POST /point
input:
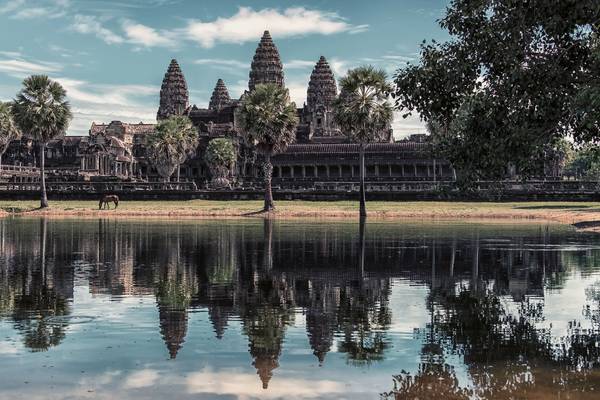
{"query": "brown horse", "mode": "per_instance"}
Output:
(108, 199)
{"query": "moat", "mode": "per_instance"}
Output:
(144, 309)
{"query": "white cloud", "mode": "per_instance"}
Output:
(102, 103)
(88, 24)
(146, 36)
(223, 62)
(243, 386)
(141, 379)
(249, 25)
(404, 127)
(299, 64)
(42, 8)
(19, 67)
(10, 6)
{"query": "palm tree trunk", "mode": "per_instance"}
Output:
(363, 201)
(268, 171)
(44, 196)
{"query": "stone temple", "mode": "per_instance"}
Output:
(321, 157)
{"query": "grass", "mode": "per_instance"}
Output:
(566, 212)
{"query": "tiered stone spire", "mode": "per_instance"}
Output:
(220, 96)
(174, 95)
(322, 89)
(266, 64)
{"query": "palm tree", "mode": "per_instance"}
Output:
(363, 113)
(174, 140)
(8, 128)
(42, 113)
(268, 120)
(220, 157)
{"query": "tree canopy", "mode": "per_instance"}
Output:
(514, 77)
(173, 141)
(362, 109)
(41, 110)
(268, 121)
(220, 156)
(8, 128)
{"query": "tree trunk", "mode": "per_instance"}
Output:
(0, 161)
(44, 196)
(361, 239)
(178, 172)
(363, 201)
(268, 171)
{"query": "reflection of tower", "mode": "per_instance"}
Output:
(174, 295)
(265, 328)
(321, 319)
(173, 328)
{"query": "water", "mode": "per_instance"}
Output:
(152, 309)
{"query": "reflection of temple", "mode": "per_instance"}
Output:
(263, 275)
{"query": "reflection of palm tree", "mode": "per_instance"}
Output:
(38, 306)
(363, 318)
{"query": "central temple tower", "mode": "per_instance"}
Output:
(174, 95)
(266, 65)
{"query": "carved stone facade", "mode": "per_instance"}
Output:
(174, 96)
(320, 96)
(266, 66)
(321, 155)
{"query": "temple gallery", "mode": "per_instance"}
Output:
(321, 154)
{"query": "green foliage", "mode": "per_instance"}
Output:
(41, 110)
(220, 152)
(362, 109)
(268, 118)
(8, 128)
(584, 163)
(173, 141)
(516, 77)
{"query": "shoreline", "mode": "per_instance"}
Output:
(583, 216)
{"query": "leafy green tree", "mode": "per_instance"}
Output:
(514, 77)
(585, 163)
(8, 128)
(268, 120)
(173, 141)
(42, 113)
(363, 112)
(220, 157)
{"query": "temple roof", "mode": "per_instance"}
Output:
(354, 148)
(321, 87)
(266, 65)
(220, 96)
(174, 95)
(132, 129)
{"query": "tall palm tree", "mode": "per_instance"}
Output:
(8, 128)
(42, 112)
(173, 141)
(268, 120)
(364, 113)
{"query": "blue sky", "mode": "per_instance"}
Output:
(111, 55)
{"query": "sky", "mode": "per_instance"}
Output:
(111, 55)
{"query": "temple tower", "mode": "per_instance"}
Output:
(322, 92)
(266, 65)
(174, 96)
(220, 97)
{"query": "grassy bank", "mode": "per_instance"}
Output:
(564, 212)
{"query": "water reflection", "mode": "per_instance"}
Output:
(485, 331)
